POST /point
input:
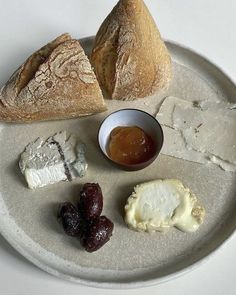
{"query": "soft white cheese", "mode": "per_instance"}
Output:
(60, 157)
(161, 204)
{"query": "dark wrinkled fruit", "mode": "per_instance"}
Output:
(91, 201)
(72, 222)
(97, 234)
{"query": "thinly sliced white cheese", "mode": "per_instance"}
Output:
(60, 157)
(207, 128)
(174, 145)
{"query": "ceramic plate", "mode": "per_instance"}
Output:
(28, 218)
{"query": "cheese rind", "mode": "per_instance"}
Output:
(60, 157)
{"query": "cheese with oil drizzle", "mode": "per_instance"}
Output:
(60, 157)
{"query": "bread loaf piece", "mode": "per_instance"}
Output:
(130, 59)
(56, 82)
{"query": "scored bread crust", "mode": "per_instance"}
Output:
(129, 57)
(62, 86)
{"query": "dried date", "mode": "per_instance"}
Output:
(91, 201)
(97, 234)
(71, 220)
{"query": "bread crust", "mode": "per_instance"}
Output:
(63, 86)
(129, 57)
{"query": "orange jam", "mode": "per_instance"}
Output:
(130, 145)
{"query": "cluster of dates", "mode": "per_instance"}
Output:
(85, 221)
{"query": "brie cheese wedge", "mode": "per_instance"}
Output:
(161, 204)
(60, 157)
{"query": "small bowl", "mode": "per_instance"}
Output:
(131, 117)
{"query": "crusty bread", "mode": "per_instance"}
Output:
(56, 82)
(129, 57)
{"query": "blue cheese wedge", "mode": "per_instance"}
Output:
(161, 204)
(60, 157)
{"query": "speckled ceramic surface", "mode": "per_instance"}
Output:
(130, 259)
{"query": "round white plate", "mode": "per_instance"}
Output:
(130, 259)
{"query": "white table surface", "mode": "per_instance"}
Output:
(208, 26)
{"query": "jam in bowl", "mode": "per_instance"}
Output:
(130, 138)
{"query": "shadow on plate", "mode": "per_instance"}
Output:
(14, 171)
(118, 203)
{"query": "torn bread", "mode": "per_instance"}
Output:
(56, 82)
(129, 57)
